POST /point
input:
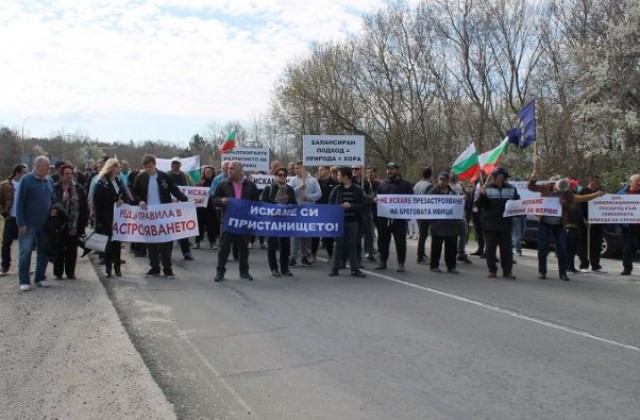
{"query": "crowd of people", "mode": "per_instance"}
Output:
(50, 207)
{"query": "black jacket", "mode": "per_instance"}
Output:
(225, 189)
(395, 186)
(491, 206)
(443, 227)
(269, 197)
(166, 188)
(83, 214)
(104, 198)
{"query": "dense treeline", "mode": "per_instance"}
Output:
(421, 83)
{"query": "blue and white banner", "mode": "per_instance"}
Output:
(265, 219)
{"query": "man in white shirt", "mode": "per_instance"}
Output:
(307, 191)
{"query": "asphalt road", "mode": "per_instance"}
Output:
(414, 345)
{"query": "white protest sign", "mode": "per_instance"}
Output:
(403, 206)
(158, 223)
(524, 192)
(547, 206)
(318, 150)
(262, 181)
(252, 159)
(197, 195)
(612, 208)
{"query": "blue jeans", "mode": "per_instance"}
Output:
(544, 232)
(36, 234)
(518, 227)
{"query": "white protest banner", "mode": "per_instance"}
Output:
(547, 206)
(262, 181)
(253, 159)
(524, 192)
(197, 195)
(612, 208)
(332, 150)
(158, 223)
(403, 206)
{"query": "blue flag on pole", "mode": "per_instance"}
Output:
(525, 132)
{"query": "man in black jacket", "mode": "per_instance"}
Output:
(156, 187)
(497, 228)
(237, 186)
(394, 184)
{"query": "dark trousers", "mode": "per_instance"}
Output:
(479, 232)
(423, 228)
(184, 246)
(111, 255)
(503, 240)
(160, 253)
(65, 256)
(327, 244)
(346, 246)
(630, 241)
(9, 235)
(226, 242)
(574, 237)
(283, 245)
(450, 250)
(397, 228)
(591, 246)
(545, 230)
(367, 231)
(207, 222)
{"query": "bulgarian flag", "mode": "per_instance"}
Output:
(190, 166)
(489, 160)
(230, 143)
(466, 165)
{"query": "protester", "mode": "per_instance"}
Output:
(443, 231)
(497, 228)
(372, 208)
(591, 243)
(327, 183)
(109, 192)
(630, 232)
(573, 226)
(351, 197)
(421, 188)
(70, 202)
(307, 192)
(279, 193)
(462, 225)
(476, 218)
(154, 187)
(239, 187)
(366, 225)
(181, 179)
(207, 220)
(394, 184)
(33, 209)
(549, 225)
(8, 203)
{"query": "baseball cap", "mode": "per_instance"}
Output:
(176, 159)
(443, 175)
(393, 165)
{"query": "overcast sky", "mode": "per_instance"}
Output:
(153, 69)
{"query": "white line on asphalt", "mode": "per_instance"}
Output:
(509, 312)
(217, 374)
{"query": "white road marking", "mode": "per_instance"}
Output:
(509, 312)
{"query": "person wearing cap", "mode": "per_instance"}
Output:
(497, 228)
(393, 184)
(443, 231)
(181, 179)
(279, 193)
(366, 226)
(555, 225)
(630, 232)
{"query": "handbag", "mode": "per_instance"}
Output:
(96, 241)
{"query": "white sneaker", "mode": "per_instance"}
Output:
(585, 270)
(600, 270)
(43, 283)
(25, 287)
